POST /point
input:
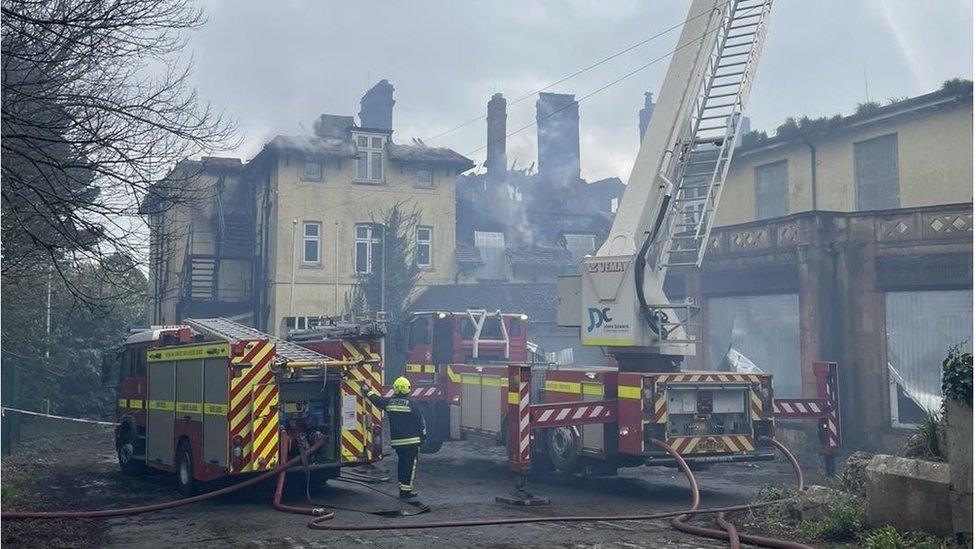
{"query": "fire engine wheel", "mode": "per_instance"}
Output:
(126, 440)
(564, 446)
(185, 482)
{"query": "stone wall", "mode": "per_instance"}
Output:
(909, 494)
(960, 450)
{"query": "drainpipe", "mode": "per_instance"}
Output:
(813, 172)
(294, 248)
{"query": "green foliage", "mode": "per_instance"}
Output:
(957, 376)
(843, 521)
(65, 370)
(887, 537)
(960, 86)
(11, 494)
(398, 262)
(867, 107)
(928, 440)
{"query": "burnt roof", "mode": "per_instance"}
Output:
(327, 147)
(536, 299)
(468, 254)
(429, 155)
(539, 256)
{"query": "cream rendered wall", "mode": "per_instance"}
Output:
(338, 199)
(935, 166)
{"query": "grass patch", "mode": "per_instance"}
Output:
(887, 537)
(11, 494)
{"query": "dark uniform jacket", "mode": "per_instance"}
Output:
(406, 422)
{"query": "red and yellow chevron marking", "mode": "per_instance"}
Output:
(724, 377)
(661, 409)
(757, 407)
(712, 444)
(252, 390)
(354, 439)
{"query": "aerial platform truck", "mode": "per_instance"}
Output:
(468, 368)
(212, 398)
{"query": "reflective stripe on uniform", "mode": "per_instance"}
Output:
(404, 441)
(397, 408)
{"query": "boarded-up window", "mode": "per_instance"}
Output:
(491, 245)
(876, 173)
(772, 190)
(746, 333)
(921, 326)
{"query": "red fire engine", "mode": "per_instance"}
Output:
(213, 398)
(591, 418)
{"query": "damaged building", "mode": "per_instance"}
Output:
(518, 229)
(847, 239)
(283, 239)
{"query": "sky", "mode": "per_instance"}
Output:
(275, 66)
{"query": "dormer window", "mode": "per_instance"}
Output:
(425, 180)
(369, 165)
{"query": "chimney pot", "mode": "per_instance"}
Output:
(497, 120)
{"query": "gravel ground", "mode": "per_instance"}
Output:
(78, 471)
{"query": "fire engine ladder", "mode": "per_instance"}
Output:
(701, 160)
(223, 328)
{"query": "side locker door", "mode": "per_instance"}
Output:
(593, 433)
(471, 401)
(491, 403)
(189, 392)
(216, 428)
(264, 425)
(161, 412)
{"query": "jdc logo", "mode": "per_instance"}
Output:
(598, 317)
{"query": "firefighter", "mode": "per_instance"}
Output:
(407, 432)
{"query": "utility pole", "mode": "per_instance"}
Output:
(47, 346)
(383, 299)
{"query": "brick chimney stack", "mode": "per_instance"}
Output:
(557, 119)
(645, 114)
(497, 161)
(376, 107)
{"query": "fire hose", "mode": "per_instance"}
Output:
(679, 517)
(127, 511)
(322, 515)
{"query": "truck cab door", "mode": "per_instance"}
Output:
(443, 346)
(418, 340)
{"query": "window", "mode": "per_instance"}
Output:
(757, 334)
(492, 248)
(425, 179)
(311, 242)
(368, 239)
(369, 165)
(301, 322)
(772, 190)
(876, 173)
(580, 244)
(424, 243)
(419, 332)
(312, 170)
(920, 326)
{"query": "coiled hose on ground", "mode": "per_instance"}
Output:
(679, 517)
(322, 515)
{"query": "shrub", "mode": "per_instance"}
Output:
(842, 521)
(957, 376)
(928, 440)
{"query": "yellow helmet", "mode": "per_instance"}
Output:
(401, 386)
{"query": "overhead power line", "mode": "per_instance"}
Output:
(577, 73)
